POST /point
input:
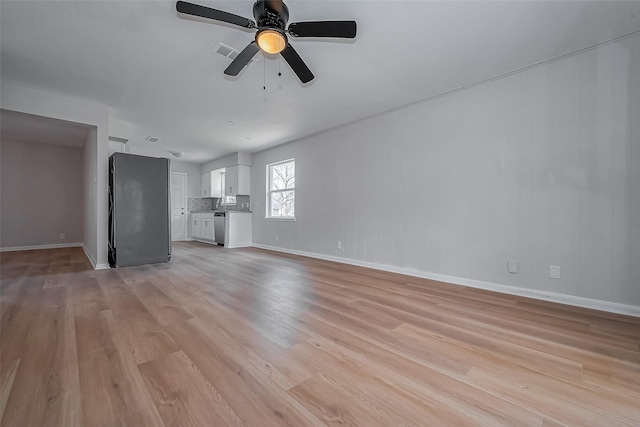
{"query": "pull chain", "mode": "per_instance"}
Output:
(264, 73)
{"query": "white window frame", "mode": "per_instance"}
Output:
(270, 191)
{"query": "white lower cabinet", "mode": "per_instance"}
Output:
(196, 227)
(202, 227)
(237, 229)
(207, 229)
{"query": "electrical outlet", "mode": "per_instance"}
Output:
(513, 267)
(554, 271)
(339, 244)
(276, 237)
(62, 236)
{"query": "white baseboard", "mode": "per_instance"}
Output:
(612, 307)
(35, 247)
(93, 262)
(239, 245)
(209, 242)
(89, 256)
(59, 246)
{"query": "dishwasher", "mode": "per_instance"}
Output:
(218, 226)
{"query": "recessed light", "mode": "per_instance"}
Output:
(248, 137)
(177, 154)
(231, 122)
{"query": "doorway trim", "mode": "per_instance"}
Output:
(184, 198)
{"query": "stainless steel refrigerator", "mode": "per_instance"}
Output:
(139, 210)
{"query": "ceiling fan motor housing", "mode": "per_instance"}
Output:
(271, 37)
(267, 17)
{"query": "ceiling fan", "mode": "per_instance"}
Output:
(271, 24)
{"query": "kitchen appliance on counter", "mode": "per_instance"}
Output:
(227, 201)
(219, 219)
(139, 210)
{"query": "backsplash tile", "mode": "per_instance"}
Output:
(195, 204)
(243, 204)
(200, 204)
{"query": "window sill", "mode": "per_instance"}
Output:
(284, 218)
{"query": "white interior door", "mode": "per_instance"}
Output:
(178, 206)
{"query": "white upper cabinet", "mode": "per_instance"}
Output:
(237, 180)
(213, 183)
(206, 185)
(217, 183)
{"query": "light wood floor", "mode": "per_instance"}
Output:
(247, 337)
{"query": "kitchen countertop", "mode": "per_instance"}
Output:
(228, 211)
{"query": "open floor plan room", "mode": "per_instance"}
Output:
(319, 213)
(248, 337)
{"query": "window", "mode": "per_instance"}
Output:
(281, 190)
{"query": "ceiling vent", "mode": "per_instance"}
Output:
(152, 139)
(224, 50)
(117, 139)
(228, 52)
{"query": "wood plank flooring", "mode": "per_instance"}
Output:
(247, 337)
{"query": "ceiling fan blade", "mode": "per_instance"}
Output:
(297, 64)
(242, 59)
(275, 5)
(341, 29)
(218, 15)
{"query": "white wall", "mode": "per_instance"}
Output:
(194, 177)
(33, 100)
(89, 180)
(222, 162)
(245, 159)
(42, 194)
(542, 167)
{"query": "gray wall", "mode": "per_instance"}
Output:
(33, 100)
(542, 167)
(42, 194)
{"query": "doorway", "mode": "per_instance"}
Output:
(178, 206)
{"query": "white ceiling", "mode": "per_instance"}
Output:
(23, 127)
(159, 72)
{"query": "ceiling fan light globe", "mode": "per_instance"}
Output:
(271, 41)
